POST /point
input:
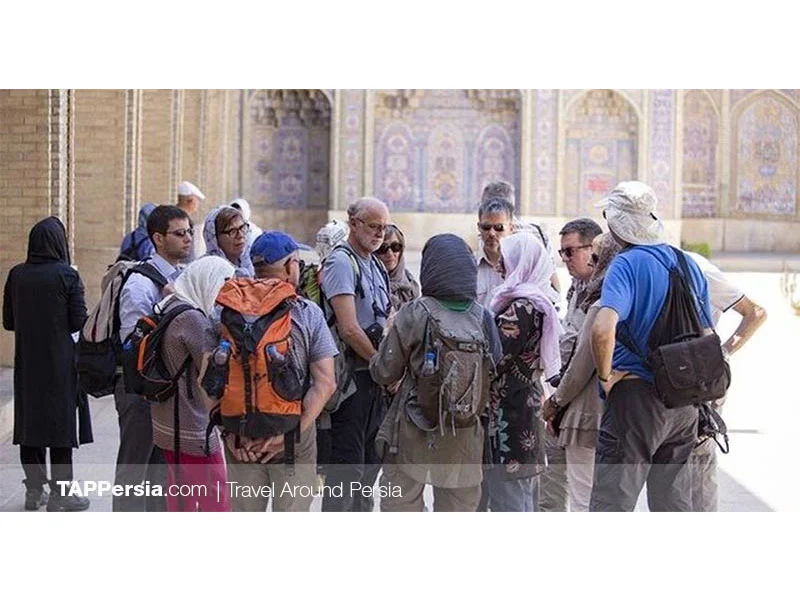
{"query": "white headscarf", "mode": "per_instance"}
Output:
(528, 274)
(630, 212)
(200, 282)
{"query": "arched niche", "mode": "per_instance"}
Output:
(700, 155)
(601, 146)
(286, 141)
(765, 156)
(435, 149)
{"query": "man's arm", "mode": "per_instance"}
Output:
(344, 306)
(323, 384)
(136, 300)
(753, 317)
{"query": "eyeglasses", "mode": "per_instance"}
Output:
(498, 227)
(395, 247)
(240, 231)
(568, 252)
(300, 263)
(181, 232)
(595, 259)
(376, 227)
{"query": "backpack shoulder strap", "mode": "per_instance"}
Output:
(356, 267)
(687, 276)
(147, 269)
(161, 329)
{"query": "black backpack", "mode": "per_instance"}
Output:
(688, 366)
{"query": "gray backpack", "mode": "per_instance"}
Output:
(453, 383)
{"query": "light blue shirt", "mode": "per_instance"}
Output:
(140, 294)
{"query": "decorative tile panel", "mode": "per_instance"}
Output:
(435, 149)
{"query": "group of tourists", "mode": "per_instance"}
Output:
(253, 374)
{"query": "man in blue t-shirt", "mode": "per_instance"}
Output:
(640, 439)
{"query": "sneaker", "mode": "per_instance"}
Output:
(35, 499)
(59, 503)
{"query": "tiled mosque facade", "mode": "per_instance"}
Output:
(724, 163)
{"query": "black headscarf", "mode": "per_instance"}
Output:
(448, 270)
(47, 242)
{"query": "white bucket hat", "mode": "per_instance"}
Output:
(630, 213)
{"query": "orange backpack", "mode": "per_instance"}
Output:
(263, 391)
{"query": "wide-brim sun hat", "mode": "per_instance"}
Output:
(630, 210)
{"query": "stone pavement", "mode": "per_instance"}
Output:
(762, 414)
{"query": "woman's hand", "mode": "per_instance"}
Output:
(549, 409)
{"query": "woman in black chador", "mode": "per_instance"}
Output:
(43, 304)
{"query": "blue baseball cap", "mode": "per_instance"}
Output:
(273, 246)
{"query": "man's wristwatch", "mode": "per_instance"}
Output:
(605, 379)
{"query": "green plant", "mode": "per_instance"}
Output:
(703, 249)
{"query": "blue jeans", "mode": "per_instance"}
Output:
(510, 495)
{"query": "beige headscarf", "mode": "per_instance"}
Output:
(200, 282)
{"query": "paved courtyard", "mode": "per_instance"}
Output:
(762, 414)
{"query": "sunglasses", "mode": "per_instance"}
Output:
(568, 252)
(498, 227)
(595, 259)
(395, 247)
(240, 231)
(181, 232)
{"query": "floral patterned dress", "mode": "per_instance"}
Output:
(516, 431)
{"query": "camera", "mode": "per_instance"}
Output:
(375, 334)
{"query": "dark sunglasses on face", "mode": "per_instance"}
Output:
(395, 247)
(498, 227)
(568, 252)
(181, 232)
(240, 231)
(595, 259)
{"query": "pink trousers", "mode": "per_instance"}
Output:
(202, 485)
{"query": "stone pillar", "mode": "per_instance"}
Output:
(157, 135)
(725, 184)
(190, 142)
(105, 180)
(369, 143)
(133, 142)
(527, 171)
(677, 187)
(349, 154)
(25, 180)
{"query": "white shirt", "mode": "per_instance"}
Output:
(488, 279)
(723, 293)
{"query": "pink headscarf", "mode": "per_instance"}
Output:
(528, 272)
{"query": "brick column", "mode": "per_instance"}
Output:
(25, 180)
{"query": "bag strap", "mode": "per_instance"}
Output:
(686, 274)
(145, 268)
(149, 270)
(359, 289)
